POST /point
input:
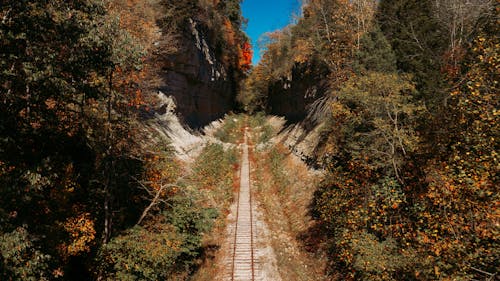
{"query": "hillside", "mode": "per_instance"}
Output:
(398, 101)
(94, 153)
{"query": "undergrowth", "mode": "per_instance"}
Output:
(172, 243)
(262, 132)
(284, 189)
(230, 132)
(216, 171)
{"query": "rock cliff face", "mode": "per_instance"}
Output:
(302, 99)
(293, 96)
(201, 86)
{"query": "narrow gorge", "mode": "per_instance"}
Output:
(167, 140)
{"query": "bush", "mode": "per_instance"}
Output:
(19, 259)
(230, 131)
(170, 245)
(276, 160)
(376, 260)
(213, 174)
(141, 254)
(263, 132)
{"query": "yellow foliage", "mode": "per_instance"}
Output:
(81, 235)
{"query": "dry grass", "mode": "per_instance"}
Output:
(285, 188)
(211, 264)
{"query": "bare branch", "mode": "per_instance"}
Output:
(156, 195)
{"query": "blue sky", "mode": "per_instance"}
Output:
(267, 15)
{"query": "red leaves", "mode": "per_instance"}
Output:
(246, 55)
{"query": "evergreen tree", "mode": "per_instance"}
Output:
(375, 53)
(418, 42)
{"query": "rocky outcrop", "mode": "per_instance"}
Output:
(203, 89)
(302, 99)
(163, 125)
(292, 96)
(307, 138)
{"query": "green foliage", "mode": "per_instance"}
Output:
(363, 223)
(266, 134)
(168, 246)
(374, 119)
(377, 260)
(379, 124)
(262, 132)
(232, 9)
(418, 43)
(333, 39)
(67, 126)
(412, 140)
(254, 91)
(458, 213)
(191, 220)
(320, 45)
(276, 161)
(72, 76)
(257, 120)
(424, 216)
(20, 259)
(231, 130)
(141, 254)
(213, 172)
(375, 53)
(206, 166)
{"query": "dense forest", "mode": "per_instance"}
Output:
(411, 137)
(85, 193)
(410, 125)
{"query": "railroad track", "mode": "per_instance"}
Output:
(243, 267)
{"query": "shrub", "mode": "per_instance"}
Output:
(230, 131)
(19, 259)
(141, 254)
(168, 246)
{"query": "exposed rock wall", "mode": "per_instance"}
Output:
(201, 86)
(307, 138)
(293, 96)
(302, 99)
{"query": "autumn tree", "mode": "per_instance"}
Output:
(459, 19)
(67, 89)
(246, 56)
(434, 218)
(459, 204)
(411, 140)
(417, 40)
(327, 25)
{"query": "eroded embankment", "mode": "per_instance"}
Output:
(284, 190)
(276, 223)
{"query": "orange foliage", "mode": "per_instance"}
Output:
(246, 54)
(161, 170)
(128, 82)
(230, 34)
(138, 18)
(82, 234)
